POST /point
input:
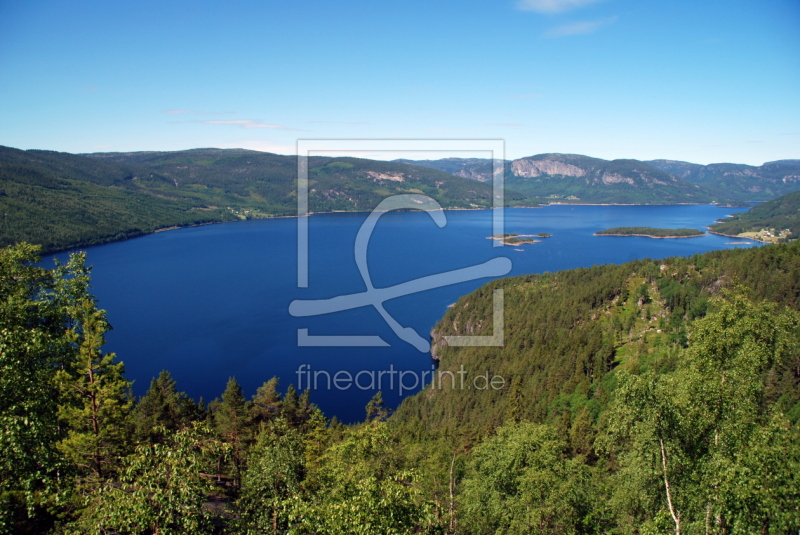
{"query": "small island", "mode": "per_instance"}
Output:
(514, 239)
(650, 232)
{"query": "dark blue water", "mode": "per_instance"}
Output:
(211, 302)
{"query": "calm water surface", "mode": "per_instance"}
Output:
(211, 302)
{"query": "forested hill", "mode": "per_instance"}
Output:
(577, 178)
(610, 375)
(568, 333)
(560, 177)
(650, 397)
(738, 181)
(480, 169)
(775, 217)
(63, 200)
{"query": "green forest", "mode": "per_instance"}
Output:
(649, 397)
(64, 201)
(651, 232)
(781, 215)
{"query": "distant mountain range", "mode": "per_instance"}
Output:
(63, 200)
(743, 182)
(577, 178)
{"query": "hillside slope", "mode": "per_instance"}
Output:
(573, 177)
(578, 178)
(567, 334)
(738, 181)
(778, 218)
(479, 169)
(63, 200)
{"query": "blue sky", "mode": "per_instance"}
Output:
(701, 80)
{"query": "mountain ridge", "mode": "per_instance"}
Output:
(724, 183)
(63, 200)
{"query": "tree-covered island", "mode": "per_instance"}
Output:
(650, 232)
(516, 239)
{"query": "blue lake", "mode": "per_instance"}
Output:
(211, 302)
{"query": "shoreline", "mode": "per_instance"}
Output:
(178, 227)
(737, 237)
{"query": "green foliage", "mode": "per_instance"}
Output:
(651, 232)
(359, 489)
(161, 488)
(37, 310)
(781, 213)
(266, 402)
(376, 410)
(519, 481)
(231, 423)
(641, 398)
(694, 443)
(276, 469)
(576, 341)
(95, 400)
(162, 408)
(64, 200)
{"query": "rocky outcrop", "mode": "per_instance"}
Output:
(614, 178)
(474, 174)
(394, 177)
(530, 168)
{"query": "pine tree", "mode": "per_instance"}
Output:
(230, 419)
(296, 408)
(515, 409)
(266, 403)
(162, 407)
(376, 410)
(95, 401)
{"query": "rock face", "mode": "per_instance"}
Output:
(594, 171)
(394, 177)
(570, 177)
(474, 174)
(614, 178)
(530, 168)
(574, 177)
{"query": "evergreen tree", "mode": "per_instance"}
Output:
(516, 399)
(231, 419)
(376, 410)
(266, 403)
(162, 407)
(95, 401)
(296, 408)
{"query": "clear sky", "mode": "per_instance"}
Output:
(697, 80)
